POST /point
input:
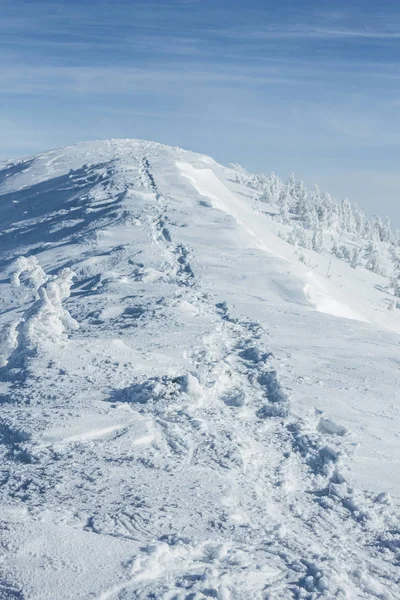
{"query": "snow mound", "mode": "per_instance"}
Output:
(46, 321)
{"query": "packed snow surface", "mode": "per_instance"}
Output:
(188, 411)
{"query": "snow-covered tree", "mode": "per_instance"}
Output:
(284, 197)
(305, 209)
(322, 213)
(355, 258)
(336, 251)
(373, 257)
(298, 237)
(386, 231)
(348, 222)
(265, 195)
(345, 252)
(292, 186)
(395, 281)
(317, 240)
(284, 211)
(378, 230)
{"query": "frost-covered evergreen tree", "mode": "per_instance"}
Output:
(241, 175)
(359, 220)
(322, 214)
(348, 221)
(292, 237)
(298, 237)
(395, 280)
(386, 231)
(265, 195)
(275, 187)
(284, 210)
(355, 258)
(336, 251)
(345, 252)
(317, 240)
(373, 257)
(305, 210)
(378, 229)
(292, 187)
(284, 196)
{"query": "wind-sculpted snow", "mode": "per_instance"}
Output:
(45, 322)
(177, 421)
(35, 277)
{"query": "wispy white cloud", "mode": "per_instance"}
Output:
(175, 79)
(304, 32)
(180, 25)
(111, 81)
(357, 33)
(304, 87)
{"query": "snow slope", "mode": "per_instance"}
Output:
(188, 411)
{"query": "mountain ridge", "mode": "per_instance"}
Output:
(188, 410)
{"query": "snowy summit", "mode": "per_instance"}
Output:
(199, 382)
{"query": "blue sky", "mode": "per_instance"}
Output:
(308, 86)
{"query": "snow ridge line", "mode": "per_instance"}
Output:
(234, 378)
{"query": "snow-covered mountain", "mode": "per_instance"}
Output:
(191, 406)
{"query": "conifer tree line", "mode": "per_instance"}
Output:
(318, 221)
